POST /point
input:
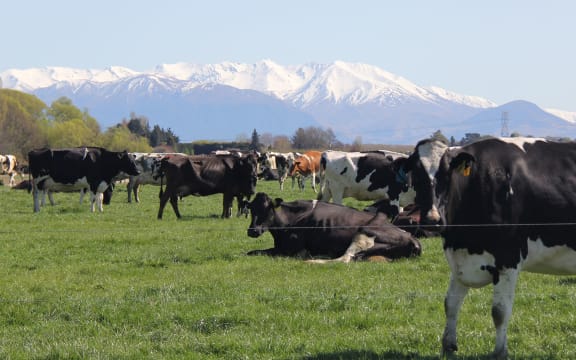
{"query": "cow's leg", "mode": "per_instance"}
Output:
(242, 206)
(314, 182)
(35, 196)
(227, 201)
(163, 200)
(136, 191)
(96, 201)
(129, 187)
(82, 193)
(452, 304)
(502, 303)
(43, 198)
(167, 195)
(337, 197)
(174, 203)
(50, 198)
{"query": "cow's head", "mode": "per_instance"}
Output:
(454, 172)
(422, 166)
(126, 163)
(262, 211)
(247, 174)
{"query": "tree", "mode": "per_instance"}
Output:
(120, 138)
(267, 139)
(22, 121)
(440, 137)
(314, 138)
(69, 126)
(357, 144)
(139, 125)
(281, 143)
(255, 142)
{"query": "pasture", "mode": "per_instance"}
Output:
(124, 285)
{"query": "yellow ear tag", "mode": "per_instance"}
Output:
(464, 169)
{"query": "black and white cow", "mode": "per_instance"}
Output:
(77, 169)
(49, 192)
(201, 175)
(505, 205)
(316, 228)
(363, 176)
(282, 163)
(146, 164)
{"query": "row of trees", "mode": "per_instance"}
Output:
(27, 123)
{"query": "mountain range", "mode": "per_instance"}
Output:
(223, 101)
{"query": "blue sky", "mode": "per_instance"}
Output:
(499, 50)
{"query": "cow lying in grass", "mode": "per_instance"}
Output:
(311, 228)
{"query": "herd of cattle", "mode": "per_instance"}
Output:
(501, 205)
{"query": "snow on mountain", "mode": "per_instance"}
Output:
(566, 115)
(36, 78)
(339, 82)
(220, 101)
(473, 101)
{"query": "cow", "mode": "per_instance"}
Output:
(145, 163)
(320, 229)
(201, 175)
(77, 169)
(9, 167)
(281, 162)
(363, 176)
(308, 164)
(107, 194)
(504, 206)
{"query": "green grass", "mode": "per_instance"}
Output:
(124, 285)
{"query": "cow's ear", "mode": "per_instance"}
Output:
(278, 202)
(462, 163)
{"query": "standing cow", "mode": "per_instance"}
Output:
(363, 176)
(505, 206)
(9, 165)
(308, 164)
(283, 163)
(146, 164)
(201, 175)
(316, 228)
(77, 169)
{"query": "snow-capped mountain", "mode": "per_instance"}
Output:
(221, 101)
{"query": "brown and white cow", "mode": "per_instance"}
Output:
(9, 165)
(201, 175)
(308, 164)
(313, 228)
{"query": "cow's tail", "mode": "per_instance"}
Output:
(161, 186)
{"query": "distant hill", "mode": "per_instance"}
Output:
(222, 101)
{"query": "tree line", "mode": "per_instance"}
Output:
(27, 123)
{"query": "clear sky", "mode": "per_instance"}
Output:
(502, 50)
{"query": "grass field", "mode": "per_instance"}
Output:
(124, 285)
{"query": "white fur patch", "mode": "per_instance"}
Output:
(520, 141)
(555, 260)
(430, 154)
(468, 268)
